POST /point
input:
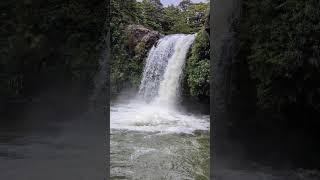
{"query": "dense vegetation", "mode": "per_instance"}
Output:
(198, 66)
(284, 53)
(280, 42)
(50, 44)
(188, 18)
(280, 49)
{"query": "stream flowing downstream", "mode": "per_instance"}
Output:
(151, 137)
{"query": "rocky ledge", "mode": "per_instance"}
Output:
(140, 40)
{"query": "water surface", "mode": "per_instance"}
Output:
(149, 142)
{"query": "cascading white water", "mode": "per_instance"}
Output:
(155, 66)
(154, 109)
(170, 86)
(163, 69)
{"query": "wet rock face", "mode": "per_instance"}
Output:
(140, 39)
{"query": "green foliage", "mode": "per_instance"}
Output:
(127, 61)
(187, 18)
(150, 14)
(57, 40)
(125, 70)
(198, 66)
(284, 52)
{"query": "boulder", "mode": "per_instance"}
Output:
(140, 40)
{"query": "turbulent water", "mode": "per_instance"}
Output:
(150, 138)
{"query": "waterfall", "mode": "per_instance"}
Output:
(154, 109)
(142, 128)
(162, 73)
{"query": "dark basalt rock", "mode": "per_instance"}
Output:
(140, 40)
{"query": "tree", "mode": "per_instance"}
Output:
(184, 4)
(157, 3)
(151, 14)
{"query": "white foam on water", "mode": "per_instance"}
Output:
(140, 116)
